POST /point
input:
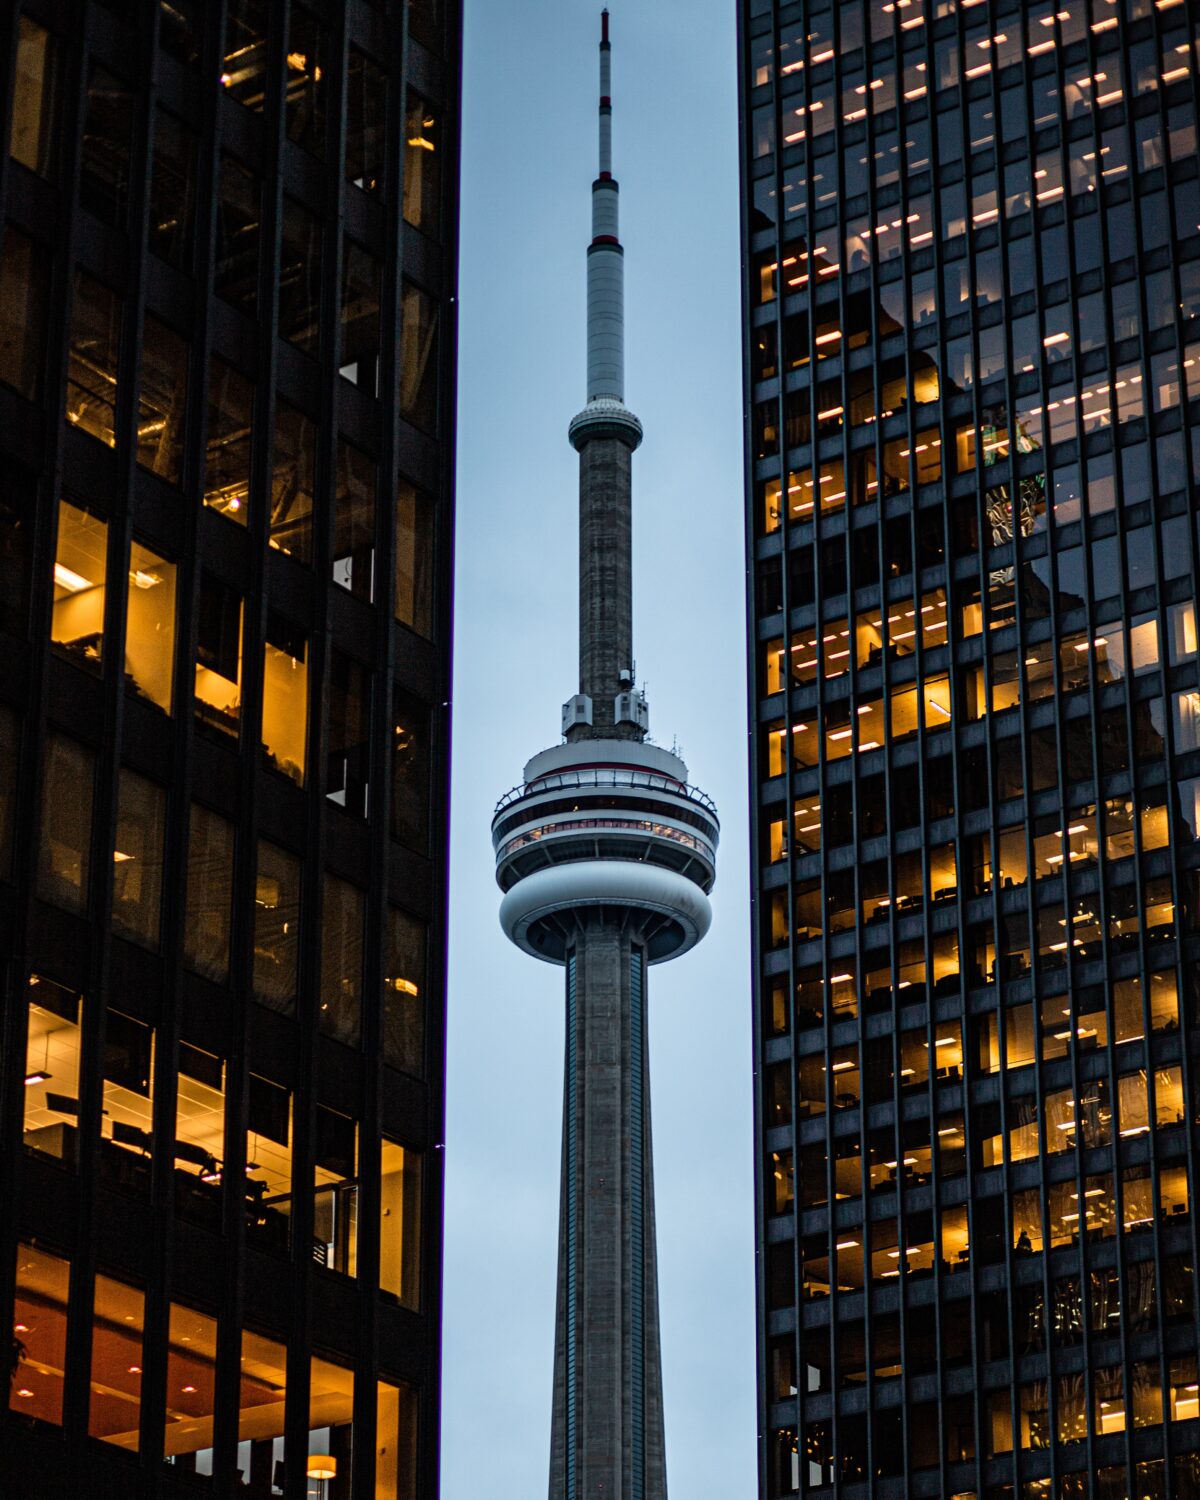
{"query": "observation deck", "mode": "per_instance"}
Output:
(605, 823)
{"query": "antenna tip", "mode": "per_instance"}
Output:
(604, 25)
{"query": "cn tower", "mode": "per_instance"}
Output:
(606, 857)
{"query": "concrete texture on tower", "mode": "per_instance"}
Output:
(606, 857)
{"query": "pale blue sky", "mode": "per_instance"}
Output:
(529, 156)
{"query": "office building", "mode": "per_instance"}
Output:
(227, 270)
(972, 311)
(606, 856)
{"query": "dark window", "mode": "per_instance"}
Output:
(24, 278)
(366, 123)
(293, 482)
(244, 74)
(162, 401)
(359, 361)
(35, 99)
(354, 522)
(410, 773)
(347, 775)
(418, 357)
(238, 233)
(172, 191)
(106, 149)
(300, 276)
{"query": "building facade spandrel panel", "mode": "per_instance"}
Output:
(222, 937)
(972, 304)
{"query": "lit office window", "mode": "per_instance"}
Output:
(335, 1192)
(80, 567)
(39, 1334)
(53, 1045)
(400, 1223)
(118, 1327)
(191, 1389)
(150, 627)
(395, 1441)
(285, 698)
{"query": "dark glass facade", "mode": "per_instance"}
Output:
(972, 307)
(227, 270)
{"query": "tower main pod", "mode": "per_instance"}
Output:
(606, 857)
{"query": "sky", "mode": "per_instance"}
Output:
(529, 157)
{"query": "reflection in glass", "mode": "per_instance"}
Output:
(179, 30)
(162, 400)
(172, 191)
(92, 359)
(414, 559)
(64, 849)
(228, 449)
(54, 1039)
(138, 858)
(305, 83)
(359, 361)
(23, 286)
(276, 927)
(244, 74)
(106, 148)
(348, 767)
(35, 99)
(354, 522)
(238, 234)
(207, 919)
(410, 773)
(343, 913)
(300, 276)
(293, 482)
(418, 357)
(80, 566)
(404, 993)
(366, 123)
(422, 165)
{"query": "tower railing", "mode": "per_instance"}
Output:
(606, 776)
